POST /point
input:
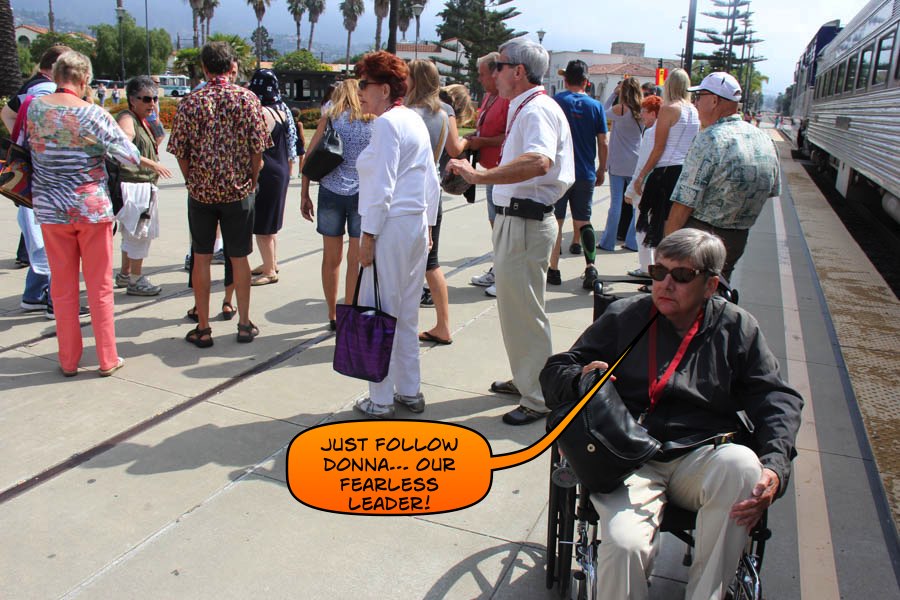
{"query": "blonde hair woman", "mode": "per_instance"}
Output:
(457, 96)
(338, 199)
(676, 126)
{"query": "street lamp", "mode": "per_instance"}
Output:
(417, 9)
(147, 27)
(120, 15)
(541, 33)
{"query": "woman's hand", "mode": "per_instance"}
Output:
(639, 184)
(596, 364)
(162, 171)
(367, 249)
(306, 208)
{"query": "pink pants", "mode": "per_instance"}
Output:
(88, 246)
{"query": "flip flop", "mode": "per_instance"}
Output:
(430, 337)
(259, 271)
(264, 280)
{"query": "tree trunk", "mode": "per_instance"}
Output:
(392, 26)
(312, 28)
(258, 42)
(50, 17)
(378, 34)
(298, 36)
(10, 75)
(347, 59)
(196, 31)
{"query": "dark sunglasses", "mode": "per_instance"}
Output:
(499, 65)
(364, 83)
(149, 99)
(679, 274)
(698, 95)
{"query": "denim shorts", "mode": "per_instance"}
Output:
(580, 197)
(335, 211)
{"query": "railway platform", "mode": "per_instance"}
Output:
(167, 480)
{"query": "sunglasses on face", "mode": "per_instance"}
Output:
(500, 65)
(364, 83)
(679, 274)
(149, 99)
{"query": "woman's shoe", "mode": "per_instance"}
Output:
(264, 280)
(247, 332)
(202, 338)
(120, 362)
(227, 315)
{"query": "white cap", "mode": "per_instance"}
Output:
(721, 84)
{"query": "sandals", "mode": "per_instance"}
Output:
(264, 280)
(192, 315)
(120, 362)
(247, 332)
(645, 289)
(202, 338)
(259, 270)
(227, 315)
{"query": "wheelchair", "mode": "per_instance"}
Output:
(572, 519)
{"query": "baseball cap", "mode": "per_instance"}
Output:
(576, 70)
(721, 84)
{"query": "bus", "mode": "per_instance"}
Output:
(174, 85)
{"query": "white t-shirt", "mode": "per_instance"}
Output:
(540, 128)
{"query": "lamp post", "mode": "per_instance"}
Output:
(120, 15)
(417, 9)
(689, 37)
(147, 27)
(541, 33)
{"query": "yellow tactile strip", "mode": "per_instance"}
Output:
(866, 317)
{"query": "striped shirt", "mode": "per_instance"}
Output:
(68, 145)
(681, 135)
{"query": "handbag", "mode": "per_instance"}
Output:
(450, 182)
(603, 444)
(326, 156)
(15, 174)
(364, 337)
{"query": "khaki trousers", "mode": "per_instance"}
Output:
(708, 480)
(521, 258)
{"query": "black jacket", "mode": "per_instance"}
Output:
(727, 368)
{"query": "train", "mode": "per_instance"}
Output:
(847, 100)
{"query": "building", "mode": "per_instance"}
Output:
(444, 55)
(606, 70)
(26, 34)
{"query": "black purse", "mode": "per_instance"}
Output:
(604, 444)
(326, 156)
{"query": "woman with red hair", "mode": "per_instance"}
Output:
(399, 193)
(649, 112)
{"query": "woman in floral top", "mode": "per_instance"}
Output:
(69, 138)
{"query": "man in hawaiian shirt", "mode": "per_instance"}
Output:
(219, 134)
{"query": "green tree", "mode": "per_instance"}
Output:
(382, 7)
(107, 59)
(263, 42)
(405, 15)
(480, 25)
(42, 42)
(26, 65)
(259, 9)
(297, 8)
(206, 14)
(187, 62)
(242, 51)
(315, 8)
(196, 6)
(10, 75)
(301, 60)
(352, 10)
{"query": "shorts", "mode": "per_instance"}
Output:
(135, 248)
(235, 220)
(335, 211)
(431, 263)
(580, 197)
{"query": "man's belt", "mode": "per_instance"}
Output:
(674, 449)
(526, 209)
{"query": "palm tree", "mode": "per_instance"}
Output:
(351, 9)
(259, 7)
(196, 6)
(315, 8)
(10, 76)
(382, 7)
(206, 15)
(297, 8)
(405, 16)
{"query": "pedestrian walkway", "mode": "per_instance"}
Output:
(167, 480)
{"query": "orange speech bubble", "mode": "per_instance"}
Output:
(396, 467)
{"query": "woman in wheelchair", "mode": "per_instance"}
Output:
(710, 374)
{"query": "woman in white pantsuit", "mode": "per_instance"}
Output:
(398, 201)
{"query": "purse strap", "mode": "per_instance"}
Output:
(359, 282)
(21, 117)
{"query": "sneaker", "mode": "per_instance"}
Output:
(639, 274)
(122, 280)
(143, 287)
(21, 264)
(414, 404)
(218, 258)
(376, 411)
(83, 311)
(485, 279)
(590, 276)
(554, 277)
(491, 291)
(426, 301)
(187, 262)
(34, 305)
(575, 248)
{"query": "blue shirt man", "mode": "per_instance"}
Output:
(587, 121)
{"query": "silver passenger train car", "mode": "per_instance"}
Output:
(853, 122)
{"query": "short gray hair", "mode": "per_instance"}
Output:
(490, 59)
(702, 249)
(530, 55)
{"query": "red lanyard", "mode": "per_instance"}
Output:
(63, 90)
(484, 112)
(516, 114)
(658, 384)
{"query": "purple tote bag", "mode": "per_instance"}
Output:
(364, 337)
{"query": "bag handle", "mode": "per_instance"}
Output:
(359, 282)
(21, 117)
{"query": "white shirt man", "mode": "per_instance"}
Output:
(536, 167)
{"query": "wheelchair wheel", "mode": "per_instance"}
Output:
(560, 531)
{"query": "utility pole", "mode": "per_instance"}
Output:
(50, 16)
(689, 39)
(393, 16)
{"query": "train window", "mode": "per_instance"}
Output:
(829, 80)
(851, 73)
(865, 63)
(883, 61)
(839, 84)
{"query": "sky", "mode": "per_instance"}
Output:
(786, 26)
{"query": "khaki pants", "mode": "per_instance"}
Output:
(521, 257)
(708, 480)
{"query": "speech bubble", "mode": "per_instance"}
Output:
(395, 467)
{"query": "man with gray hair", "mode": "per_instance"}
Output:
(536, 167)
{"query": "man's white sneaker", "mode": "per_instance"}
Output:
(485, 279)
(414, 404)
(491, 291)
(376, 411)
